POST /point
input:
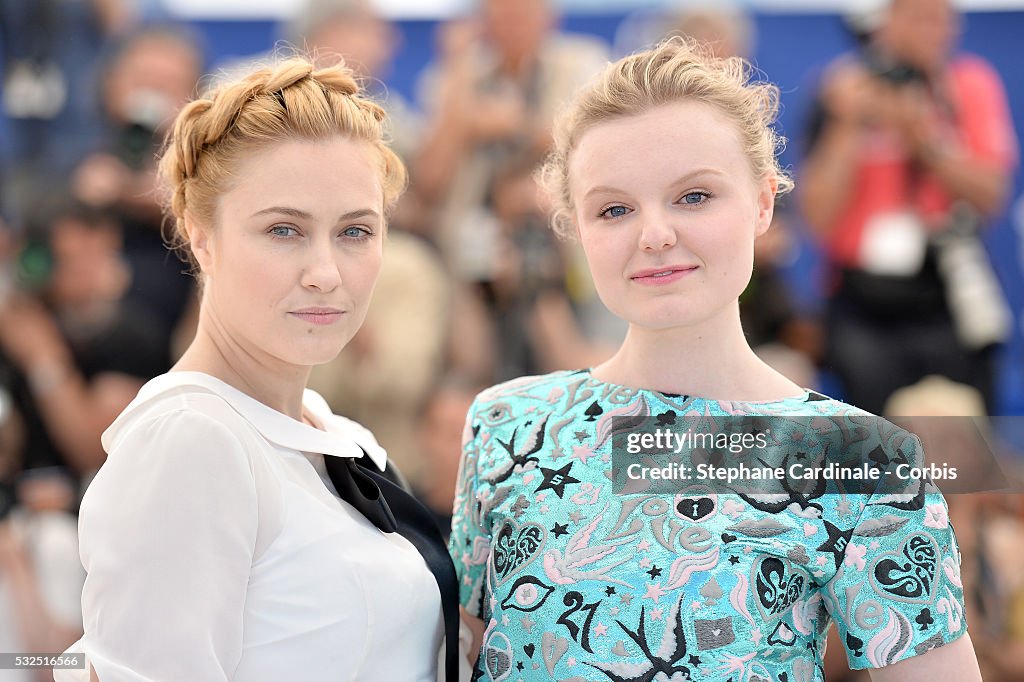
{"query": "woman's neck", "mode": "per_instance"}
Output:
(711, 359)
(271, 382)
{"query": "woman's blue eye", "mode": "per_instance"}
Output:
(283, 231)
(695, 197)
(356, 232)
(614, 212)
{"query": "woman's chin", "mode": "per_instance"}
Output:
(312, 354)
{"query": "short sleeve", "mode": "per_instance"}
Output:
(897, 592)
(470, 541)
(984, 113)
(167, 534)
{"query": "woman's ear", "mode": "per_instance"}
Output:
(200, 243)
(766, 204)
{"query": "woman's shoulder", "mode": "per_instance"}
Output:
(183, 409)
(816, 404)
(534, 386)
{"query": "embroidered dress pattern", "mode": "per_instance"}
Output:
(577, 584)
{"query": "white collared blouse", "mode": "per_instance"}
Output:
(217, 549)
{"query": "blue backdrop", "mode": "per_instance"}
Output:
(791, 48)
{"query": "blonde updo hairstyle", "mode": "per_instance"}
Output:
(291, 100)
(678, 69)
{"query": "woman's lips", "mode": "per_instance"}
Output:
(321, 316)
(662, 276)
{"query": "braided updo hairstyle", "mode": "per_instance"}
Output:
(291, 100)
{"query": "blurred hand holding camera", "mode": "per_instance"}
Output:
(851, 96)
(29, 335)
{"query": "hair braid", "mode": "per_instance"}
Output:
(289, 100)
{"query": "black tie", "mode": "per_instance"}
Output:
(355, 486)
(391, 508)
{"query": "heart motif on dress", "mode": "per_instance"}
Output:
(782, 635)
(515, 546)
(695, 509)
(552, 648)
(909, 573)
(777, 585)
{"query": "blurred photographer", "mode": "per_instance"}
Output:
(76, 351)
(147, 78)
(41, 577)
(910, 149)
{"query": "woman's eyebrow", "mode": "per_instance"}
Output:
(299, 213)
(605, 189)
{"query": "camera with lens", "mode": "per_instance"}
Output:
(890, 70)
(142, 116)
(862, 25)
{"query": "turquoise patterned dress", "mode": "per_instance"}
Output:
(577, 584)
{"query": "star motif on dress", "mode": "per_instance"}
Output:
(643, 546)
(874, 544)
(527, 624)
(626, 598)
(581, 453)
(801, 455)
(504, 620)
(540, 497)
(694, 605)
(836, 543)
(580, 436)
(600, 630)
(466, 580)
(656, 614)
(734, 560)
(606, 457)
(576, 516)
(544, 509)
(655, 592)
(557, 479)
(645, 562)
(694, 660)
(821, 560)
(609, 590)
(519, 666)
(614, 610)
(560, 529)
(571, 661)
(654, 572)
(494, 603)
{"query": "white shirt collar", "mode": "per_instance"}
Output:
(340, 437)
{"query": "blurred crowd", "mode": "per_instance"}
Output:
(907, 154)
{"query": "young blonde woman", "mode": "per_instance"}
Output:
(665, 170)
(238, 530)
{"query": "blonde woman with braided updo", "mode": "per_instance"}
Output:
(666, 171)
(238, 530)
